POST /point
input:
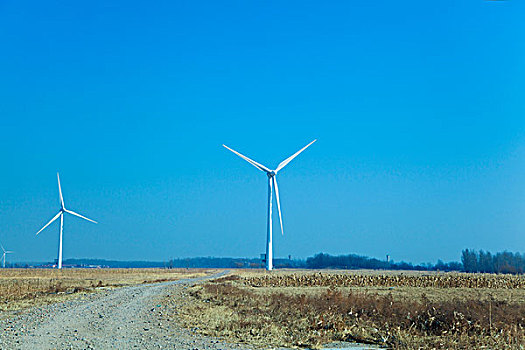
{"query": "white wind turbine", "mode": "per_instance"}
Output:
(272, 182)
(61, 215)
(5, 253)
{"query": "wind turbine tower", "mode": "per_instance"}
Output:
(5, 253)
(272, 184)
(60, 214)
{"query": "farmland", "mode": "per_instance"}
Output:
(23, 288)
(283, 308)
(130, 317)
(401, 310)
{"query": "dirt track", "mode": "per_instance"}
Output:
(123, 318)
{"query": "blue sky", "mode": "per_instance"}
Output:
(417, 107)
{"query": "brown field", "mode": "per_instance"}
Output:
(402, 310)
(22, 288)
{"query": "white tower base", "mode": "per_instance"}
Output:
(269, 252)
(59, 262)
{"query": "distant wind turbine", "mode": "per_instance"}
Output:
(5, 253)
(272, 182)
(61, 215)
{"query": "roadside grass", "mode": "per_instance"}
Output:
(290, 309)
(22, 288)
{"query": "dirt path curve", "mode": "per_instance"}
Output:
(122, 318)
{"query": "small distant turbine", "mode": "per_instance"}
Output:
(61, 215)
(5, 253)
(272, 182)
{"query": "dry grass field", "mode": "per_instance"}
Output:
(22, 288)
(402, 310)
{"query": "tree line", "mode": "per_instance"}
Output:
(215, 262)
(471, 261)
(353, 261)
(503, 262)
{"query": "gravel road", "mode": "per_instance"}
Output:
(122, 318)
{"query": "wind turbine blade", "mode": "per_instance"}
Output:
(289, 159)
(53, 219)
(80, 216)
(8, 252)
(278, 202)
(2, 247)
(252, 162)
(60, 192)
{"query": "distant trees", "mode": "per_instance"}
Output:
(471, 261)
(450, 266)
(353, 261)
(485, 262)
(503, 262)
(215, 262)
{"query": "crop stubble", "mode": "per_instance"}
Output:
(394, 309)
